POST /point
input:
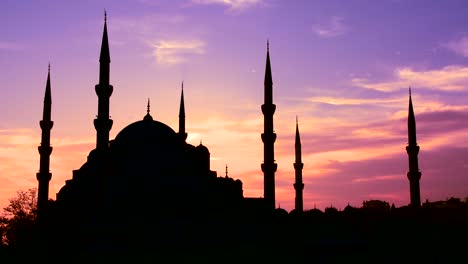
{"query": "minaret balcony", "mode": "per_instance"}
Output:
(298, 186)
(43, 176)
(271, 167)
(298, 166)
(413, 175)
(46, 124)
(268, 109)
(268, 137)
(104, 90)
(45, 150)
(412, 149)
(103, 124)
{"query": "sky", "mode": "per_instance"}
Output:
(342, 67)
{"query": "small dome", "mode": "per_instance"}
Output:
(202, 149)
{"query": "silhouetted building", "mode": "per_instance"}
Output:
(414, 175)
(298, 165)
(150, 190)
(449, 203)
(268, 137)
(44, 175)
(148, 181)
(376, 205)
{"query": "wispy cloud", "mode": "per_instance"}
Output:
(171, 52)
(371, 156)
(232, 4)
(356, 101)
(19, 160)
(333, 28)
(449, 78)
(459, 46)
(10, 46)
(378, 178)
(160, 33)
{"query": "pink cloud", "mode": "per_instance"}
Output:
(459, 46)
(332, 28)
(448, 78)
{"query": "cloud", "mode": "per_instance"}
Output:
(459, 46)
(170, 52)
(449, 78)
(9, 46)
(355, 160)
(358, 180)
(357, 101)
(19, 160)
(333, 28)
(378, 178)
(148, 28)
(443, 174)
(232, 4)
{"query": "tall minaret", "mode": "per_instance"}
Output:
(44, 175)
(298, 165)
(182, 133)
(103, 123)
(414, 175)
(268, 137)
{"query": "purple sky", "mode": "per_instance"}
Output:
(344, 67)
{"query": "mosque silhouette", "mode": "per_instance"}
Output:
(148, 185)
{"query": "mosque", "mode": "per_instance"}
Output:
(149, 180)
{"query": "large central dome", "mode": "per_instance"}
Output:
(148, 147)
(147, 131)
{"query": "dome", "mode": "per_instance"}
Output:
(147, 131)
(202, 149)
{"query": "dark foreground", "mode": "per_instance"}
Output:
(427, 235)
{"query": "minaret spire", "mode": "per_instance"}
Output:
(103, 123)
(47, 98)
(148, 116)
(414, 175)
(268, 82)
(182, 133)
(298, 165)
(105, 54)
(44, 175)
(268, 137)
(411, 122)
(148, 107)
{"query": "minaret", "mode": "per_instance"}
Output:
(103, 123)
(298, 165)
(268, 137)
(414, 175)
(44, 175)
(182, 133)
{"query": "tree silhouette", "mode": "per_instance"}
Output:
(18, 219)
